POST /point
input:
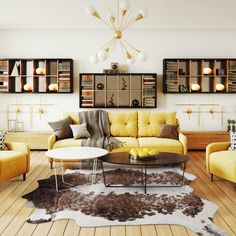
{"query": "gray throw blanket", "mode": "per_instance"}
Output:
(99, 129)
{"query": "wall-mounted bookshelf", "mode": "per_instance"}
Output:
(118, 90)
(199, 75)
(36, 75)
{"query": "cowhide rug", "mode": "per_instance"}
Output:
(95, 205)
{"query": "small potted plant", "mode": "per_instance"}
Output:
(229, 125)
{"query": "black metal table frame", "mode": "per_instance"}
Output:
(144, 180)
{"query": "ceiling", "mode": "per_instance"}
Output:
(163, 14)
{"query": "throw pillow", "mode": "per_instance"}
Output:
(2, 138)
(233, 141)
(80, 131)
(62, 128)
(169, 131)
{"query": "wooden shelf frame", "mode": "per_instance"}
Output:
(89, 93)
(180, 73)
(26, 74)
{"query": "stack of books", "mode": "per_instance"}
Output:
(87, 98)
(171, 77)
(232, 81)
(63, 86)
(87, 82)
(64, 66)
(149, 102)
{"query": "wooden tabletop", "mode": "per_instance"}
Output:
(164, 158)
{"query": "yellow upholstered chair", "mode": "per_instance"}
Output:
(15, 161)
(220, 161)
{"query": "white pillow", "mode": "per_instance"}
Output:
(80, 131)
(2, 138)
(233, 140)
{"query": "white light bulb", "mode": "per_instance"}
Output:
(125, 5)
(94, 59)
(130, 61)
(143, 12)
(110, 16)
(142, 56)
(90, 10)
(102, 55)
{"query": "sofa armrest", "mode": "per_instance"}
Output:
(20, 147)
(51, 141)
(183, 139)
(215, 147)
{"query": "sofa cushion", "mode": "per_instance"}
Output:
(73, 115)
(62, 128)
(149, 122)
(223, 164)
(123, 124)
(69, 142)
(169, 131)
(128, 143)
(161, 144)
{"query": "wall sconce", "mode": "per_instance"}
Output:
(53, 87)
(28, 88)
(40, 71)
(207, 71)
(220, 87)
(195, 87)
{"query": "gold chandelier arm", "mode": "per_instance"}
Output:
(118, 14)
(122, 49)
(131, 46)
(125, 19)
(107, 44)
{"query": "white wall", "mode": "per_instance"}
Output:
(80, 44)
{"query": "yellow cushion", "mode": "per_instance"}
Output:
(128, 143)
(74, 116)
(149, 122)
(223, 164)
(123, 124)
(161, 144)
(69, 142)
(12, 164)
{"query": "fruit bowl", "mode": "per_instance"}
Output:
(143, 154)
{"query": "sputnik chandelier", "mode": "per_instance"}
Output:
(119, 24)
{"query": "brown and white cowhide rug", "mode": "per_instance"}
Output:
(95, 205)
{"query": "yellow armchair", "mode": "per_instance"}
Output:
(220, 161)
(15, 161)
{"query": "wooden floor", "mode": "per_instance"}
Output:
(13, 211)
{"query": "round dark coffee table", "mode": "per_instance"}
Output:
(164, 159)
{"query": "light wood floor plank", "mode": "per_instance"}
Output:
(163, 230)
(72, 229)
(178, 230)
(87, 232)
(148, 230)
(133, 230)
(103, 231)
(58, 228)
(118, 231)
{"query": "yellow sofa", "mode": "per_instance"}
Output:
(220, 161)
(15, 161)
(136, 129)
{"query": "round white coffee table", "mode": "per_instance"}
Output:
(75, 154)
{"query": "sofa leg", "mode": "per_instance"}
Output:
(24, 176)
(51, 165)
(212, 177)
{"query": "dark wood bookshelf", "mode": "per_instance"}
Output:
(199, 75)
(127, 90)
(20, 75)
